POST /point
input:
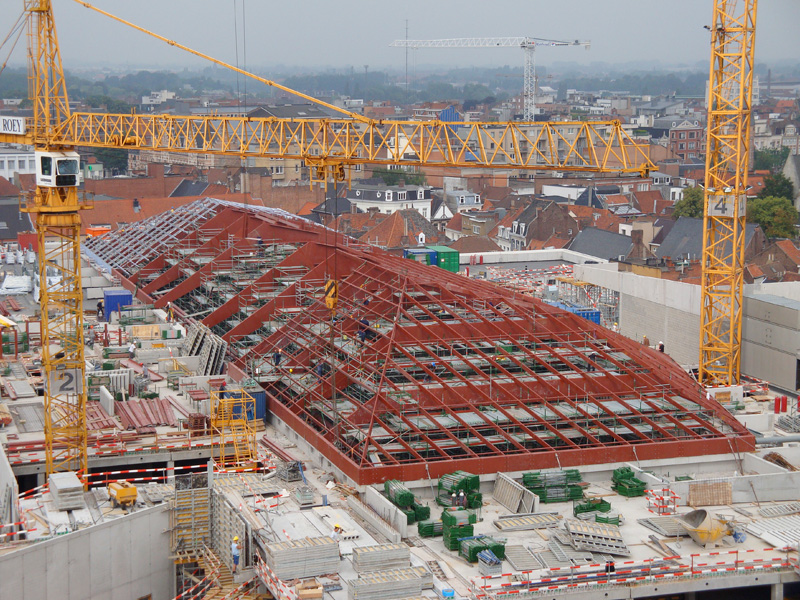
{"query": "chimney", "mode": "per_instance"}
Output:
(401, 183)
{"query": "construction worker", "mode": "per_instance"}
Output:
(646, 340)
(337, 537)
(276, 358)
(235, 553)
(453, 499)
(462, 499)
(660, 346)
(132, 349)
(100, 309)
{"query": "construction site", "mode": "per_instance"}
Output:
(227, 401)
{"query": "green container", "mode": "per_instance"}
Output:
(446, 258)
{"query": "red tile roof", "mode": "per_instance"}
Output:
(7, 188)
(454, 224)
(507, 221)
(790, 250)
(651, 202)
(475, 243)
(306, 208)
(754, 270)
(552, 242)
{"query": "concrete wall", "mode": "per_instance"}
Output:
(494, 258)
(771, 338)
(663, 310)
(9, 491)
(125, 558)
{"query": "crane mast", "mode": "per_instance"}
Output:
(55, 206)
(725, 206)
(528, 44)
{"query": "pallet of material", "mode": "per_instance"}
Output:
(381, 557)
(715, 493)
(527, 522)
(306, 557)
(388, 585)
(66, 491)
(596, 537)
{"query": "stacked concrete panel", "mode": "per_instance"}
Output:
(308, 557)
(66, 490)
(381, 557)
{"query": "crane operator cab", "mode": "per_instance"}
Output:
(57, 169)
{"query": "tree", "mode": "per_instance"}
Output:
(777, 185)
(776, 216)
(771, 159)
(115, 159)
(394, 177)
(691, 205)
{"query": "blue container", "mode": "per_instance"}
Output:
(114, 299)
(590, 314)
(261, 402)
(425, 256)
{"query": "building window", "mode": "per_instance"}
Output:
(477, 198)
(476, 229)
(516, 228)
(691, 145)
(401, 196)
(682, 135)
(388, 196)
(420, 194)
(425, 212)
(691, 135)
(681, 146)
(462, 199)
(2, 164)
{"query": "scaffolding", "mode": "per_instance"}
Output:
(590, 295)
(233, 428)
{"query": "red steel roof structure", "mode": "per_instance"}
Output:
(420, 371)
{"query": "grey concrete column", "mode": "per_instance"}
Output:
(776, 591)
(170, 471)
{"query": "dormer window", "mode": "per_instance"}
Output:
(477, 198)
(462, 199)
(516, 227)
(401, 195)
(420, 194)
(388, 196)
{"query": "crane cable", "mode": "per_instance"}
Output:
(17, 26)
(269, 82)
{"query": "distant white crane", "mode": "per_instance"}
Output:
(528, 44)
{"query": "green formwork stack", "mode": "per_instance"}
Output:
(554, 486)
(457, 524)
(446, 258)
(625, 483)
(404, 499)
(460, 481)
(399, 494)
(591, 505)
(607, 519)
(470, 547)
(430, 528)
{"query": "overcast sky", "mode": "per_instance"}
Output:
(325, 33)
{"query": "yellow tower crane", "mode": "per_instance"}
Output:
(730, 95)
(328, 146)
